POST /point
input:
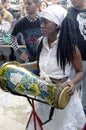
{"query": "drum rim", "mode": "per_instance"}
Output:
(60, 98)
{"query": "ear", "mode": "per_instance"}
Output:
(57, 27)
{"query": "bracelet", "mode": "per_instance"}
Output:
(29, 68)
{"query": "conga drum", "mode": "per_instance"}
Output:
(18, 79)
(61, 97)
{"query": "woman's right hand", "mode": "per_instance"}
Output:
(71, 87)
(24, 57)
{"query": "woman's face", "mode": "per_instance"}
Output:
(43, 5)
(47, 27)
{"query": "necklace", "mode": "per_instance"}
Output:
(32, 20)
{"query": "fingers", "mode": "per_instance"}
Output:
(70, 92)
(24, 57)
(71, 85)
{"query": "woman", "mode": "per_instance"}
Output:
(43, 4)
(57, 53)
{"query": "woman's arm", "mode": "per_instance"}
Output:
(77, 65)
(30, 66)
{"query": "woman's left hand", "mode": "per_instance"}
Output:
(71, 89)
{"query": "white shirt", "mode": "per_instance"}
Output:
(48, 62)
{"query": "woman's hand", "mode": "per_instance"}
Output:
(71, 89)
(24, 57)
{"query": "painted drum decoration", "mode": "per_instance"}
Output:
(18, 79)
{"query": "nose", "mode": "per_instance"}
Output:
(42, 24)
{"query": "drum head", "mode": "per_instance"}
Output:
(63, 98)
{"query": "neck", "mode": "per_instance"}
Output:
(32, 16)
(51, 39)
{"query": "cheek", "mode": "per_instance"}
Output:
(51, 29)
(48, 29)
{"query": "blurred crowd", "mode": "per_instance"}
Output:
(10, 12)
(20, 22)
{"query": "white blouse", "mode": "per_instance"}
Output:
(72, 116)
(48, 62)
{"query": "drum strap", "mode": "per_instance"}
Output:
(50, 115)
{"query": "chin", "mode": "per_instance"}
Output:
(43, 33)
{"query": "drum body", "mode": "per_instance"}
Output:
(18, 79)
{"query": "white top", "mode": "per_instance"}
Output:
(48, 62)
(72, 116)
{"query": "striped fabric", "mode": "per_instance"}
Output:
(13, 42)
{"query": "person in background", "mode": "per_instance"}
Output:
(57, 53)
(4, 28)
(9, 7)
(69, 3)
(63, 3)
(49, 2)
(78, 13)
(43, 4)
(7, 16)
(22, 4)
(17, 11)
(55, 1)
(29, 26)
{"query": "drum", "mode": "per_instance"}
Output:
(61, 97)
(14, 78)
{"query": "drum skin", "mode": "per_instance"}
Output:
(18, 79)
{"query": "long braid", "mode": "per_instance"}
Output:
(67, 42)
(39, 51)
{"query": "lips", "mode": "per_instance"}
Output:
(43, 31)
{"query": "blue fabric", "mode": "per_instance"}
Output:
(35, 71)
(85, 112)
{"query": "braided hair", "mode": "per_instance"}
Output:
(39, 48)
(66, 44)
